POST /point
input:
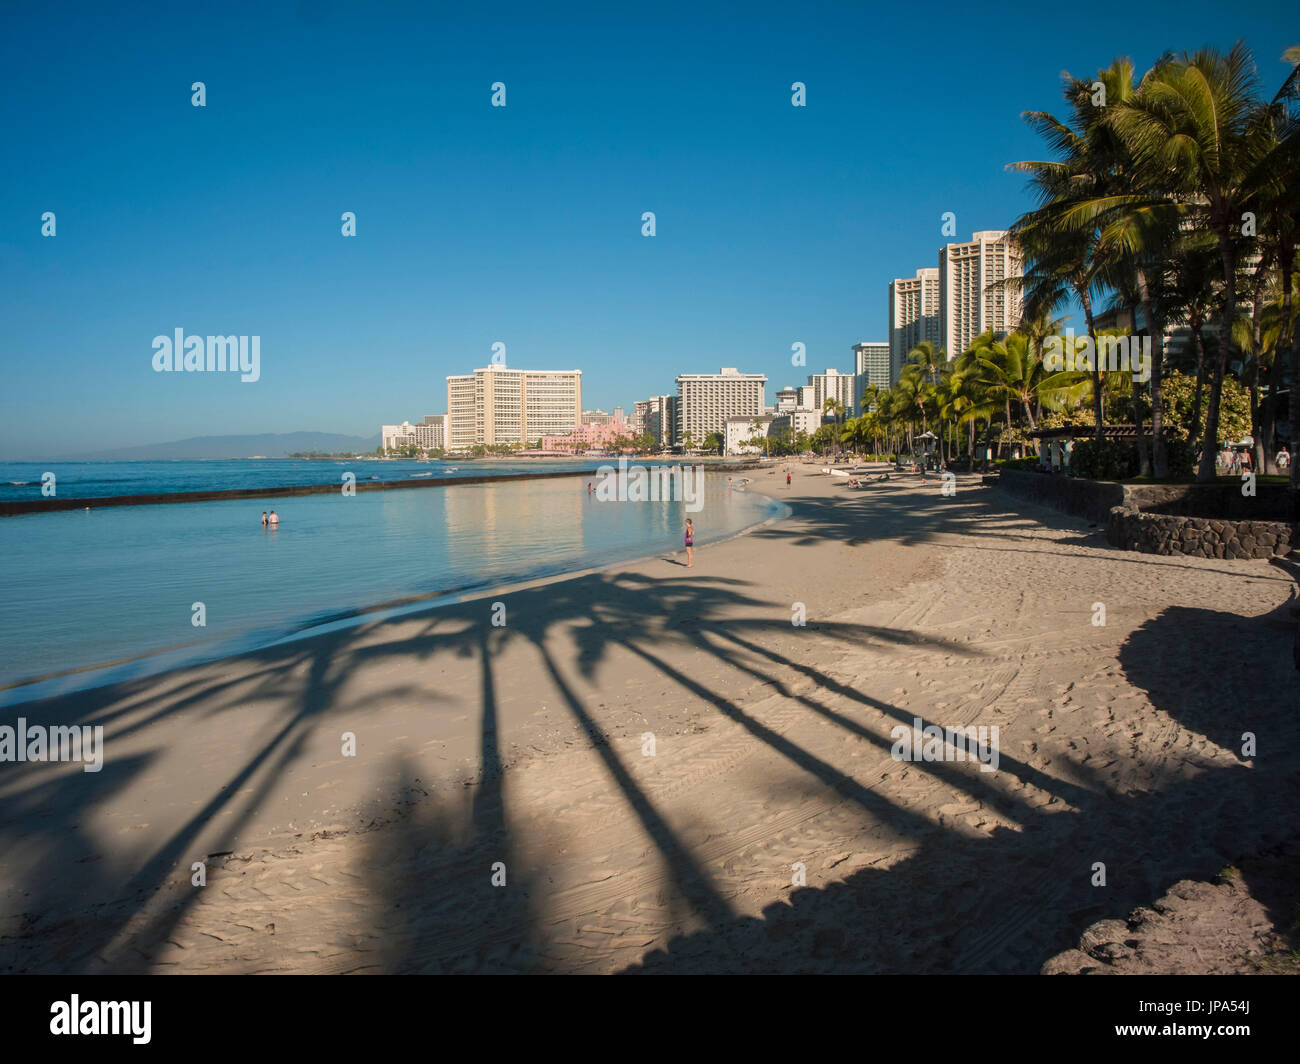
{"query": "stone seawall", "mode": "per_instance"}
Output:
(1203, 537)
(1202, 520)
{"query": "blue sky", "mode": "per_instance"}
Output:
(520, 224)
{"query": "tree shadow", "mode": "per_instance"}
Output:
(1007, 901)
(962, 900)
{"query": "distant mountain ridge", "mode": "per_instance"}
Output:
(264, 445)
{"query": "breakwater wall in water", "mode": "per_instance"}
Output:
(14, 507)
(11, 507)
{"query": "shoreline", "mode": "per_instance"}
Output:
(200, 652)
(526, 744)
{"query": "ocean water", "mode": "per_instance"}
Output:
(82, 589)
(78, 480)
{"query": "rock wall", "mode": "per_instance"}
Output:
(1204, 537)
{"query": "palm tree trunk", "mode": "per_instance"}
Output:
(1194, 430)
(1159, 457)
(1205, 474)
(1287, 258)
(1294, 413)
(1144, 455)
(1268, 419)
(1256, 365)
(1086, 299)
(1268, 411)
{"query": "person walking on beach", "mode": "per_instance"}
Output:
(690, 544)
(787, 478)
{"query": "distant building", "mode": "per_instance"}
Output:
(428, 435)
(798, 421)
(913, 316)
(705, 401)
(596, 417)
(871, 366)
(833, 385)
(496, 405)
(739, 431)
(973, 295)
(787, 399)
(655, 417)
(588, 437)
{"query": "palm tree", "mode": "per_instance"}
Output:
(1195, 123)
(927, 359)
(835, 408)
(1062, 239)
(908, 400)
(1190, 294)
(1280, 192)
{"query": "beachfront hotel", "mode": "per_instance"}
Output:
(871, 364)
(496, 405)
(429, 435)
(655, 416)
(832, 385)
(706, 400)
(973, 297)
(913, 316)
(739, 432)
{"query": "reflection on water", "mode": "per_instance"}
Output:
(80, 588)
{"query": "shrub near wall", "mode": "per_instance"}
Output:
(1118, 460)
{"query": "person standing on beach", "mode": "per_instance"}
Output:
(787, 478)
(690, 544)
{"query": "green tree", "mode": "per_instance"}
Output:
(1199, 134)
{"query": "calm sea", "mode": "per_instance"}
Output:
(84, 588)
(77, 480)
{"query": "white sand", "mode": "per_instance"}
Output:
(524, 745)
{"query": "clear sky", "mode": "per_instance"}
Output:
(521, 224)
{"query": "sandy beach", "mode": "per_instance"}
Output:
(651, 757)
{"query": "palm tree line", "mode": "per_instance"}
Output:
(1173, 200)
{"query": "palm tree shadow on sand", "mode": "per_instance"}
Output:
(958, 901)
(1008, 901)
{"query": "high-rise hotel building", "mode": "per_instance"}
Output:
(498, 405)
(833, 385)
(706, 400)
(871, 365)
(913, 316)
(973, 295)
(655, 416)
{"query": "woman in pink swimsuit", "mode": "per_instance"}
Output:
(690, 544)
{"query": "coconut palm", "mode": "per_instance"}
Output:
(928, 359)
(1197, 132)
(1062, 240)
